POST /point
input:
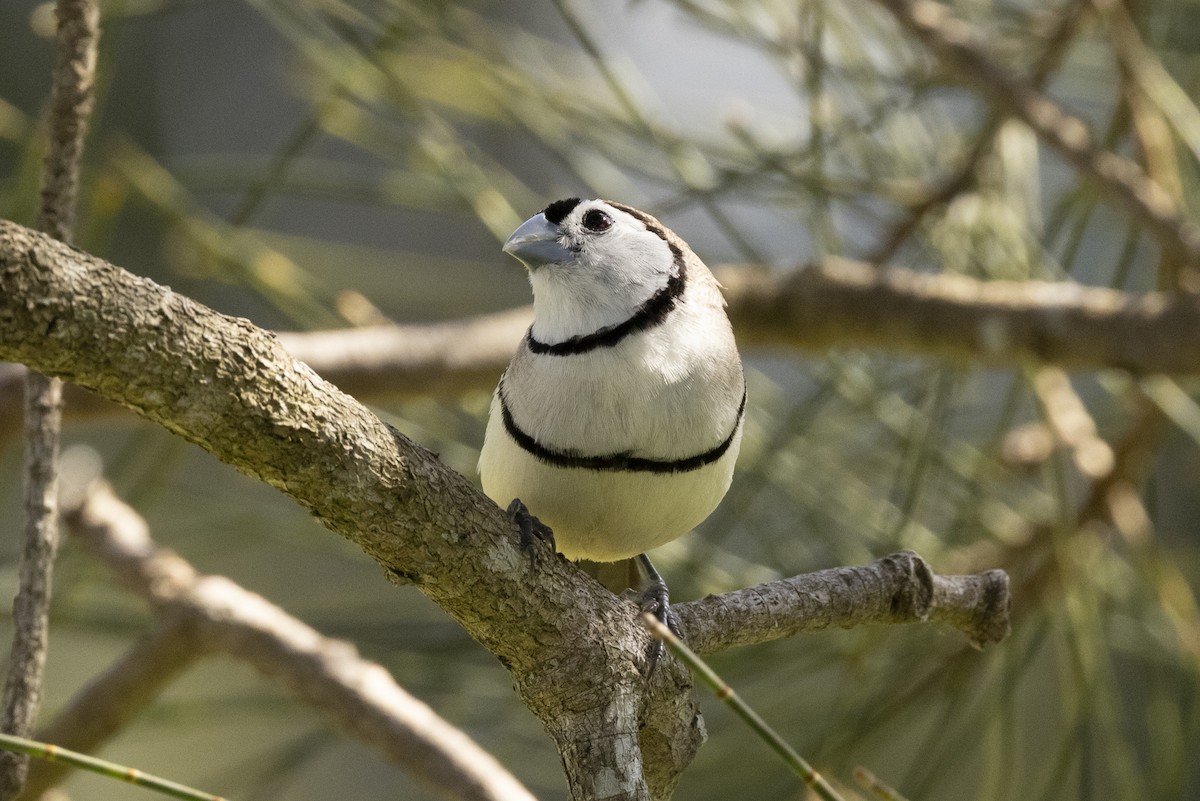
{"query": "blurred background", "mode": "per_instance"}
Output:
(324, 164)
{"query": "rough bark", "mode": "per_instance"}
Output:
(900, 588)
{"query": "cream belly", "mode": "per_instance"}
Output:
(603, 515)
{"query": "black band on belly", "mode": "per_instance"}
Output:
(648, 315)
(616, 461)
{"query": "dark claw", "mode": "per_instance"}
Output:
(656, 601)
(531, 529)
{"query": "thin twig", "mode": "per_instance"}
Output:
(71, 106)
(900, 588)
(223, 617)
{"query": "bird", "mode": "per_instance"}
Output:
(617, 424)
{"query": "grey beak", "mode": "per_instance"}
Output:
(535, 242)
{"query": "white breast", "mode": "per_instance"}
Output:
(669, 393)
(603, 516)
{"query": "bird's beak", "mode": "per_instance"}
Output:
(536, 243)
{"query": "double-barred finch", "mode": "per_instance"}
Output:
(619, 419)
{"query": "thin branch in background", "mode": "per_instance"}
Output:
(938, 195)
(1071, 423)
(216, 615)
(842, 303)
(1122, 179)
(70, 109)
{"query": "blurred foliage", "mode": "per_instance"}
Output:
(281, 160)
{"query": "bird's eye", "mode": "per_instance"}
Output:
(597, 221)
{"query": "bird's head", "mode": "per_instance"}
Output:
(592, 263)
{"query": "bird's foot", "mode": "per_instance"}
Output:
(531, 529)
(656, 600)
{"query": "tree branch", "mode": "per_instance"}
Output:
(900, 588)
(849, 304)
(576, 652)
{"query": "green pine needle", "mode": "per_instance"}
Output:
(726, 693)
(52, 753)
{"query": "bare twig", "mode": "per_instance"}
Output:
(1122, 179)
(31, 607)
(895, 589)
(70, 109)
(213, 614)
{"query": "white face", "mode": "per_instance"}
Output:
(612, 265)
